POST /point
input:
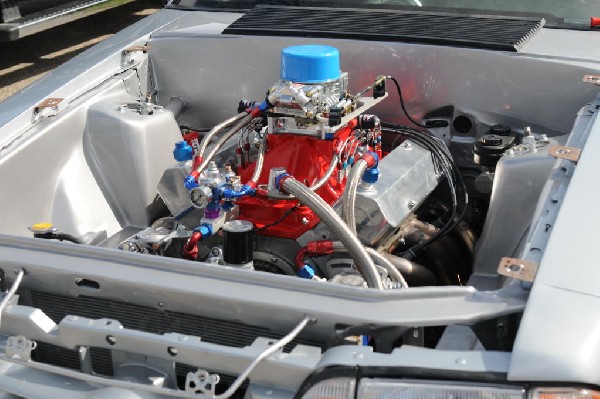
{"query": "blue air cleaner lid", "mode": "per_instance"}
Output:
(310, 63)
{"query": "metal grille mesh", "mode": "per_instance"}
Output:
(143, 319)
(494, 33)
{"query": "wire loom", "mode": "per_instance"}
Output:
(443, 160)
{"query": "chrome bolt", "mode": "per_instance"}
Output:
(514, 268)
(411, 204)
(305, 221)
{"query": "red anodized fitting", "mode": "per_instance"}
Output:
(255, 112)
(251, 184)
(313, 248)
(194, 173)
(370, 158)
(190, 249)
(191, 138)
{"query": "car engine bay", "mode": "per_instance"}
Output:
(373, 192)
(311, 130)
(382, 205)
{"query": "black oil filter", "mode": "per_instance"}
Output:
(237, 242)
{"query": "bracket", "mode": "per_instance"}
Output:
(201, 382)
(48, 103)
(563, 152)
(594, 79)
(143, 49)
(519, 269)
(18, 347)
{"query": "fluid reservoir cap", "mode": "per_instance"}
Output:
(43, 228)
(238, 226)
(490, 140)
(501, 130)
(310, 63)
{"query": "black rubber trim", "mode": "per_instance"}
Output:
(432, 374)
(485, 32)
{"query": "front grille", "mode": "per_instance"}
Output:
(140, 318)
(153, 320)
(493, 33)
(101, 358)
(61, 357)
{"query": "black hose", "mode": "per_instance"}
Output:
(59, 236)
(176, 105)
(403, 106)
(446, 165)
(416, 275)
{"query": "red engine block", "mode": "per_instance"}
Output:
(307, 159)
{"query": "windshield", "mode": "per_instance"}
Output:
(558, 13)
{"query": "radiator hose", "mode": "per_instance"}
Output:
(362, 259)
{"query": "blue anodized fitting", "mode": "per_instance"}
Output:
(205, 229)
(230, 193)
(183, 151)
(278, 181)
(190, 182)
(306, 272)
(371, 175)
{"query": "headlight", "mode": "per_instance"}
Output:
(564, 393)
(380, 388)
(377, 388)
(389, 388)
(333, 388)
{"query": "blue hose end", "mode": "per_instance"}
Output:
(227, 205)
(248, 190)
(278, 181)
(264, 106)
(245, 190)
(204, 229)
(183, 151)
(371, 175)
(190, 182)
(306, 272)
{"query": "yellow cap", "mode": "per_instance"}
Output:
(42, 228)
